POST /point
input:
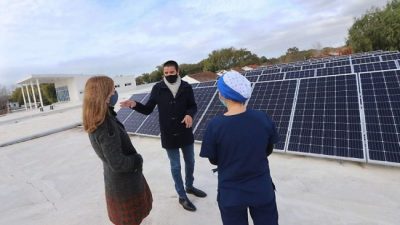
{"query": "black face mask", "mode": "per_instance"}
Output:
(171, 78)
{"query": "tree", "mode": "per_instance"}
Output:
(139, 80)
(146, 78)
(378, 29)
(185, 69)
(271, 61)
(227, 58)
(294, 54)
(154, 76)
(292, 51)
(3, 100)
(48, 91)
(16, 96)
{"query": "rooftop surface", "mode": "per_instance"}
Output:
(58, 179)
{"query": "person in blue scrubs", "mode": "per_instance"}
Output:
(239, 142)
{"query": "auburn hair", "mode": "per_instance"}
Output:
(95, 108)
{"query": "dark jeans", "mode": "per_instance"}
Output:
(174, 160)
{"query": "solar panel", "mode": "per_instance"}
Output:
(338, 63)
(135, 119)
(313, 66)
(194, 85)
(151, 125)
(368, 67)
(386, 53)
(361, 55)
(275, 98)
(366, 60)
(207, 84)
(381, 101)
(340, 58)
(215, 108)
(269, 77)
(124, 113)
(377, 52)
(203, 98)
(299, 64)
(271, 71)
(300, 74)
(319, 61)
(334, 71)
(288, 69)
(252, 79)
(390, 57)
(253, 73)
(327, 118)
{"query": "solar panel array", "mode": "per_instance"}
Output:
(344, 107)
(381, 101)
(133, 122)
(278, 104)
(124, 113)
(215, 108)
(150, 125)
(327, 118)
(377, 66)
(203, 97)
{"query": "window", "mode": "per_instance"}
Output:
(62, 94)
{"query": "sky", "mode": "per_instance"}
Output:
(133, 37)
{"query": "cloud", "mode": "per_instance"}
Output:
(128, 37)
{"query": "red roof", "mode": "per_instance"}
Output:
(204, 76)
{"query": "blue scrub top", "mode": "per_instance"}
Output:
(238, 143)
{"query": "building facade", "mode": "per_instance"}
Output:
(69, 88)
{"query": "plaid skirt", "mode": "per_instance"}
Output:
(132, 209)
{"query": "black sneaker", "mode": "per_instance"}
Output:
(187, 204)
(196, 192)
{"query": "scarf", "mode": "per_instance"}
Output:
(173, 87)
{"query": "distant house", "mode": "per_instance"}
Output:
(221, 72)
(202, 77)
(249, 67)
(190, 80)
(237, 69)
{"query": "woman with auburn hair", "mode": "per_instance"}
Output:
(128, 196)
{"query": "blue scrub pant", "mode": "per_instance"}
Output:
(262, 215)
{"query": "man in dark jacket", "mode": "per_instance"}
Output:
(177, 107)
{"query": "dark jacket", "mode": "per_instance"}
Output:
(174, 133)
(128, 195)
(122, 164)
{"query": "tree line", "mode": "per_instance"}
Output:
(228, 58)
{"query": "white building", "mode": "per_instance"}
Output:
(190, 80)
(13, 105)
(69, 88)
